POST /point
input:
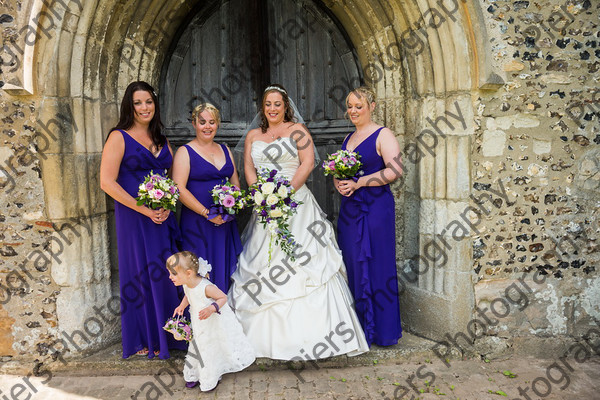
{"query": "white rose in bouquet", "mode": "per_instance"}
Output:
(272, 199)
(283, 191)
(276, 213)
(258, 197)
(268, 188)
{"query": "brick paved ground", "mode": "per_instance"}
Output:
(417, 379)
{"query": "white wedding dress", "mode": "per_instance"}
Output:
(294, 310)
(218, 343)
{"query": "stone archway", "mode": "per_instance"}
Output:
(422, 58)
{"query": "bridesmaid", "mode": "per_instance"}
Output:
(366, 224)
(198, 167)
(145, 237)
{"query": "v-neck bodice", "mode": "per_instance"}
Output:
(138, 161)
(372, 162)
(204, 175)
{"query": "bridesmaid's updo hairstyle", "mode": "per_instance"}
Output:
(364, 93)
(184, 259)
(127, 112)
(200, 108)
(289, 111)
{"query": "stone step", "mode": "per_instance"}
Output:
(109, 361)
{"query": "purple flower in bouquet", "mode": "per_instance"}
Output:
(342, 164)
(229, 201)
(158, 191)
(271, 196)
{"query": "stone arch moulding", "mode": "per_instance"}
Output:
(99, 46)
(19, 74)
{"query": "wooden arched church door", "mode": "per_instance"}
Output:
(230, 50)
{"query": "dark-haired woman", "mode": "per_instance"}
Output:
(145, 237)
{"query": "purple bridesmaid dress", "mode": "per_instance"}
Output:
(367, 238)
(148, 297)
(219, 245)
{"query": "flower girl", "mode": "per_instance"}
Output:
(218, 344)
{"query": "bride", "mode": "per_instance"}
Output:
(295, 309)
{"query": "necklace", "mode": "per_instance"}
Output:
(273, 135)
(210, 151)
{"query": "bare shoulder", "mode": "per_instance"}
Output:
(300, 134)
(183, 148)
(115, 135)
(296, 126)
(386, 134)
(115, 140)
(252, 135)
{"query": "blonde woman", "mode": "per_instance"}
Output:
(366, 224)
(198, 167)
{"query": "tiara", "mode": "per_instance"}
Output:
(275, 88)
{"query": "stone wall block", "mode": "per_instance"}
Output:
(590, 298)
(411, 223)
(94, 135)
(523, 306)
(101, 249)
(427, 171)
(6, 330)
(64, 51)
(542, 146)
(47, 56)
(458, 167)
(65, 180)
(93, 334)
(427, 215)
(422, 267)
(410, 177)
(442, 215)
(55, 124)
(451, 222)
(456, 255)
(80, 131)
(493, 143)
(71, 270)
(97, 198)
(77, 64)
(92, 81)
(458, 114)
(443, 154)
(463, 167)
(56, 170)
(87, 185)
(109, 116)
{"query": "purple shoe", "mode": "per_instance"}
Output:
(191, 385)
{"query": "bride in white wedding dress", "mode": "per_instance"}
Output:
(301, 309)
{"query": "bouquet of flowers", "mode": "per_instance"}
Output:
(229, 199)
(343, 164)
(179, 327)
(274, 204)
(158, 191)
